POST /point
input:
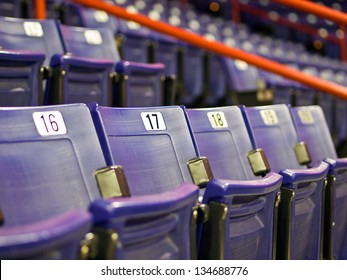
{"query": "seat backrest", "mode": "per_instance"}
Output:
(222, 136)
(312, 128)
(47, 162)
(95, 43)
(77, 15)
(153, 144)
(272, 130)
(141, 83)
(31, 34)
(19, 72)
(16, 8)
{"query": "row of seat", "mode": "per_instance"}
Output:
(71, 65)
(205, 83)
(170, 183)
(205, 79)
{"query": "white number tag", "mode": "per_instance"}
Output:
(306, 116)
(100, 16)
(269, 117)
(241, 65)
(49, 123)
(33, 29)
(93, 37)
(217, 119)
(153, 121)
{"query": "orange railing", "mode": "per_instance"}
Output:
(316, 9)
(219, 48)
(40, 9)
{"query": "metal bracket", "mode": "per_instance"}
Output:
(200, 171)
(284, 228)
(213, 236)
(120, 84)
(275, 225)
(302, 153)
(101, 244)
(112, 182)
(258, 161)
(199, 215)
(44, 73)
(328, 217)
(2, 218)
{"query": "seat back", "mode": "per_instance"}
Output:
(31, 34)
(312, 128)
(152, 144)
(47, 163)
(16, 8)
(19, 75)
(222, 136)
(77, 15)
(96, 43)
(271, 129)
(139, 84)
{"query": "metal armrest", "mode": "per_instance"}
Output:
(292, 176)
(22, 56)
(132, 220)
(219, 187)
(124, 67)
(104, 210)
(336, 164)
(40, 238)
(78, 61)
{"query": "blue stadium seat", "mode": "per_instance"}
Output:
(222, 136)
(70, 79)
(300, 214)
(16, 8)
(153, 144)
(136, 84)
(47, 180)
(312, 128)
(20, 78)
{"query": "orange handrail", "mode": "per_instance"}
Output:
(40, 9)
(316, 9)
(221, 49)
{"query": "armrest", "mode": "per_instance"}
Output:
(126, 67)
(83, 62)
(292, 176)
(336, 164)
(38, 238)
(220, 187)
(23, 55)
(104, 210)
